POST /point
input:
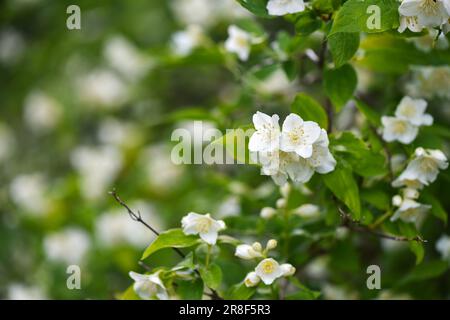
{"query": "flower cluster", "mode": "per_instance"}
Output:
(420, 171)
(283, 7)
(268, 269)
(296, 151)
(418, 14)
(409, 116)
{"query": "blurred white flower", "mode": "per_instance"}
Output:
(115, 228)
(123, 56)
(12, 46)
(413, 110)
(69, 246)
(424, 167)
(443, 247)
(239, 42)
(251, 279)
(102, 88)
(429, 82)
(429, 13)
(17, 291)
(332, 292)
(230, 207)
(307, 210)
(276, 83)
(98, 168)
(28, 191)
(298, 136)
(119, 133)
(149, 286)
(7, 142)
(397, 129)
(267, 135)
(185, 41)
(282, 7)
(409, 22)
(317, 268)
(409, 210)
(203, 225)
(161, 172)
(41, 112)
(287, 269)
(268, 212)
(428, 42)
(207, 12)
(247, 252)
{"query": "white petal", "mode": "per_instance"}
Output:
(209, 237)
(291, 122)
(409, 8)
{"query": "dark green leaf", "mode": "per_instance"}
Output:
(173, 238)
(343, 45)
(339, 85)
(309, 109)
(212, 276)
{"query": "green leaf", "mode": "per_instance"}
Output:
(190, 290)
(236, 143)
(128, 294)
(343, 45)
(343, 185)
(339, 85)
(240, 292)
(371, 115)
(436, 207)
(380, 199)
(304, 293)
(173, 238)
(309, 109)
(363, 160)
(426, 271)
(392, 54)
(307, 23)
(257, 7)
(212, 276)
(361, 16)
(409, 230)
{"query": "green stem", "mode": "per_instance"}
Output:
(208, 253)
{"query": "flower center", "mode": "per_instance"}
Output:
(409, 111)
(399, 127)
(203, 225)
(429, 7)
(268, 267)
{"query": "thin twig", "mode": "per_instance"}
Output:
(355, 226)
(321, 66)
(137, 217)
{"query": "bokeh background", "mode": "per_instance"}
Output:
(85, 111)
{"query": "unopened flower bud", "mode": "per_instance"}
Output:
(268, 212)
(257, 246)
(397, 200)
(271, 244)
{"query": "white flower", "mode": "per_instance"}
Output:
(443, 246)
(396, 129)
(269, 270)
(298, 136)
(28, 191)
(203, 225)
(307, 210)
(239, 42)
(41, 112)
(410, 211)
(98, 167)
(283, 165)
(287, 269)
(247, 252)
(321, 158)
(428, 42)
(410, 23)
(282, 7)
(430, 81)
(19, 291)
(252, 279)
(149, 286)
(122, 55)
(184, 42)
(267, 212)
(413, 110)
(68, 246)
(424, 168)
(430, 13)
(267, 135)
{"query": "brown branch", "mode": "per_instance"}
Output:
(137, 217)
(321, 66)
(357, 227)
